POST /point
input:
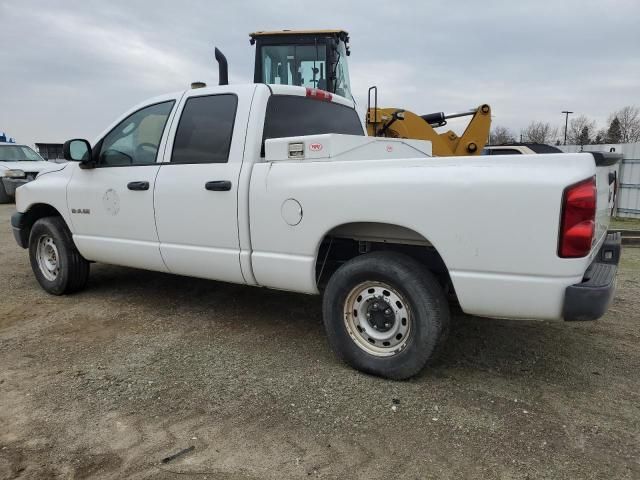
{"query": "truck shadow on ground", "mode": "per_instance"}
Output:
(515, 348)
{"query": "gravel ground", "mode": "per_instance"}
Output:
(108, 382)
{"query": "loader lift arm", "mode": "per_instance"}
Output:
(398, 123)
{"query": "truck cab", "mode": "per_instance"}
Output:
(166, 160)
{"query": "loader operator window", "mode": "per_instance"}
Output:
(301, 65)
(294, 116)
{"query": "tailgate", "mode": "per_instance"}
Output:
(606, 183)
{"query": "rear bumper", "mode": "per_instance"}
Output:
(20, 232)
(589, 299)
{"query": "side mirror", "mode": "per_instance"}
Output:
(77, 150)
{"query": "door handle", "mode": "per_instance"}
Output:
(138, 185)
(218, 185)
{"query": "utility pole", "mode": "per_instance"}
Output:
(566, 123)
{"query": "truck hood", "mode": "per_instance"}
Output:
(28, 166)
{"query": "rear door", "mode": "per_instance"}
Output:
(196, 194)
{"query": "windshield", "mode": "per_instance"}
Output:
(18, 153)
(302, 65)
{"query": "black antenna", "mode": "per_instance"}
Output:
(223, 69)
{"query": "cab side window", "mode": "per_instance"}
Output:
(205, 130)
(135, 140)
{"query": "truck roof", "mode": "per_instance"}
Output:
(276, 89)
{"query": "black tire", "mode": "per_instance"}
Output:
(429, 313)
(72, 268)
(4, 197)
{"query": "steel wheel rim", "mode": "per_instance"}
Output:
(379, 333)
(48, 258)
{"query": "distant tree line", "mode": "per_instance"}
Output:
(623, 126)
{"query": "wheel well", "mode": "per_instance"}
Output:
(36, 212)
(345, 242)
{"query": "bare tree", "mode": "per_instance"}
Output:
(577, 132)
(539, 132)
(629, 118)
(500, 135)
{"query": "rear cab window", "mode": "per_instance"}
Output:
(295, 116)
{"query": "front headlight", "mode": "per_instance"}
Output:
(14, 174)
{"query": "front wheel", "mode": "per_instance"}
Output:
(385, 314)
(55, 261)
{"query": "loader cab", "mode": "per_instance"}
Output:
(313, 59)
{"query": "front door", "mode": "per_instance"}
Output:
(196, 197)
(111, 205)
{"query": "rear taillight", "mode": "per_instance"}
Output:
(577, 224)
(319, 94)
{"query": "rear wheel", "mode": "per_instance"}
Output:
(385, 314)
(55, 261)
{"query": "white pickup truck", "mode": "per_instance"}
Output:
(277, 186)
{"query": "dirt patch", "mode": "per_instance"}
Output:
(141, 365)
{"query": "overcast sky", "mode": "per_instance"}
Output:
(68, 69)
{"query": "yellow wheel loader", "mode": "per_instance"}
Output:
(318, 59)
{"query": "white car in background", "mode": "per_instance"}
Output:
(520, 149)
(19, 164)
